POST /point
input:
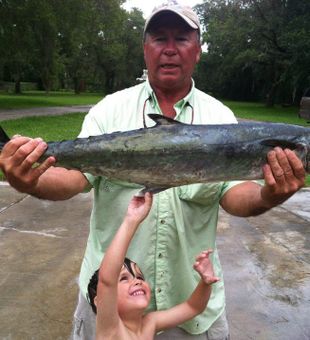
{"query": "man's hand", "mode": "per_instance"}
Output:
(18, 159)
(204, 268)
(284, 175)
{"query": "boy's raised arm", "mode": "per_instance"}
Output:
(195, 304)
(106, 301)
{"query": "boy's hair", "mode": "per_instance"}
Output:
(93, 282)
(92, 290)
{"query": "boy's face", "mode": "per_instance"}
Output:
(133, 292)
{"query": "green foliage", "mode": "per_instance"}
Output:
(79, 44)
(257, 50)
(16, 40)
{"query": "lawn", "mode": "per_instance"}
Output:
(50, 128)
(55, 128)
(258, 111)
(31, 99)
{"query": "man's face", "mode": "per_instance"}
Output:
(171, 52)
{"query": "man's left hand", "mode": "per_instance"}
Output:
(284, 175)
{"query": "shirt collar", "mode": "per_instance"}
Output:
(179, 106)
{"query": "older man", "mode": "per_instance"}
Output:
(183, 220)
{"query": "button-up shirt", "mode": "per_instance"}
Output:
(182, 221)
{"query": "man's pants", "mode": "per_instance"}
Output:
(84, 327)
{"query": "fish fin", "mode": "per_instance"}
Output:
(281, 143)
(4, 138)
(299, 147)
(162, 120)
(155, 190)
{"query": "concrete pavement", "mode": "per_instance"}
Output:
(266, 263)
(42, 111)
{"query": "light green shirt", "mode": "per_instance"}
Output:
(182, 221)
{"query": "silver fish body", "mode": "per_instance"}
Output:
(172, 154)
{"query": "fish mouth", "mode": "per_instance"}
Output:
(138, 292)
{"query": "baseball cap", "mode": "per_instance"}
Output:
(184, 12)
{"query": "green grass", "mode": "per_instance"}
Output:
(41, 99)
(258, 111)
(50, 128)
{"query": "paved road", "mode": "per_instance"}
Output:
(42, 111)
(266, 263)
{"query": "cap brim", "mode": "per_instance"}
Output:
(156, 14)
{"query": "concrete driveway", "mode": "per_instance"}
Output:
(266, 264)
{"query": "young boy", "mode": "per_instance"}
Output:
(123, 294)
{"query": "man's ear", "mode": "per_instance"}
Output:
(198, 54)
(95, 301)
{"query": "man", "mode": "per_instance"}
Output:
(183, 220)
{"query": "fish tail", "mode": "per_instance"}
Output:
(4, 138)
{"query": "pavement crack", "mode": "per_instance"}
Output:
(13, 204)
(39, 233)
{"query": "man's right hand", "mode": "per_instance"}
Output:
(18, 160)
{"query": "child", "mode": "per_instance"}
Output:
(123, 294)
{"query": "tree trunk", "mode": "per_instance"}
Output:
(17, 88)
(270, 97)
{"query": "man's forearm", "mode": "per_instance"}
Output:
(245, 200)
(59, 184)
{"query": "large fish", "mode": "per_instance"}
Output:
(171, 153)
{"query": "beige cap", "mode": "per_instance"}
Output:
(184, 12)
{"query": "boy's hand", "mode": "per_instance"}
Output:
(204, 268)
(139, 207)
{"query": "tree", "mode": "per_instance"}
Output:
(258, 47)
(74, 25)
(133, 58)
(16, 40)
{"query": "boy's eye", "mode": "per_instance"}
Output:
(123, 278)
(140, 278)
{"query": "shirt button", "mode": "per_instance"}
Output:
(162, 221)
(158, 290)
(160, 255)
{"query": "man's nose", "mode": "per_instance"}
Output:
(170, 48)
